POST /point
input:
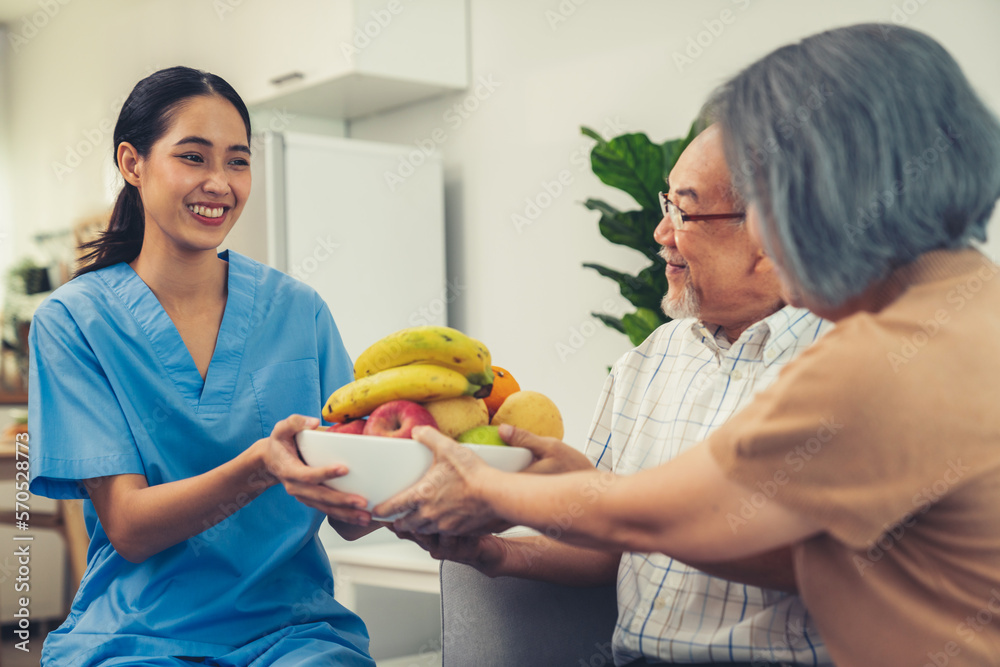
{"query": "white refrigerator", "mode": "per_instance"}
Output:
(363, 224)
(337, 214)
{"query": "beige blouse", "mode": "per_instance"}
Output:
(886, 432)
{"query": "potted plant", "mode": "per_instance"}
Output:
(634, 164)
(27, 286)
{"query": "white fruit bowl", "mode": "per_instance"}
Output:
(379, 468)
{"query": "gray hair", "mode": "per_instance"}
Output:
(862, 148)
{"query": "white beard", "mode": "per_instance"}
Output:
(678, 307)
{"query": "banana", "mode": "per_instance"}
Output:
(415, 382)
(443, 346)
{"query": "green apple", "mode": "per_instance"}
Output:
(482, 435)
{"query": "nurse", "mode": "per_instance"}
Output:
(162, 378)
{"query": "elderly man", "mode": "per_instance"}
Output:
(877, 464)
(731, 335)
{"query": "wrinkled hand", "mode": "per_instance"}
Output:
(552, 456)
(448, 499)
(280, 458)
(483, 552)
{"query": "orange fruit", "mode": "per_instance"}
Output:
(504, 385)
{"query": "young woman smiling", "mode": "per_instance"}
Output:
(162, 380)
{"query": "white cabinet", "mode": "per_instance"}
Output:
(341, 58)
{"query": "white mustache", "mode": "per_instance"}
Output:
(670, 257)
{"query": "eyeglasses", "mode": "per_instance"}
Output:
(679, 218)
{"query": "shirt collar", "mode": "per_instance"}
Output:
(764, 341)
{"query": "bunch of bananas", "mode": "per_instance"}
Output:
(418, 364)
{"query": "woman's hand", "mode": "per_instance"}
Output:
(447, 498)
(279, 456)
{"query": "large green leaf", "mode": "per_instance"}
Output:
(608, 273)
(644, 290)
(654, 281)
(630, 162)
(631, 287)
(601, 207)
(623, 279)
(640, 324)
(591, 133)
(634, 164)
(633, 229)
(611, 321)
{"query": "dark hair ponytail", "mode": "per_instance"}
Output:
(144, 118)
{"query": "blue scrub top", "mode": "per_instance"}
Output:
(115, 391)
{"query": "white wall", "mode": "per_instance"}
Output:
(522, 290)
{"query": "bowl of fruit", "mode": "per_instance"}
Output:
(380, 467)
(434, 376)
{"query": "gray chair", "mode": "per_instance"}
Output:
(509, 622)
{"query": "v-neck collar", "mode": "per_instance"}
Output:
(215, 392)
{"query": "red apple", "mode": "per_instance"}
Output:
(354, 426)
(396, 419)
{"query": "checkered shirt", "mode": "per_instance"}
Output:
(660, 399)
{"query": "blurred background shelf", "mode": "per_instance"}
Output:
(394, 585)
(400, 566)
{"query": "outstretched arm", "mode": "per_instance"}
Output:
(773, 569)
(530, 557)
(684, 508)
(143, 520)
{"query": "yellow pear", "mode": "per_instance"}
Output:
(457, 415)
(532, 411)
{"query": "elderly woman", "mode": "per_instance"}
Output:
(870, 167)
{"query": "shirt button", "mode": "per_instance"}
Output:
(770, 355)
(736, 375)
(658, 603)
